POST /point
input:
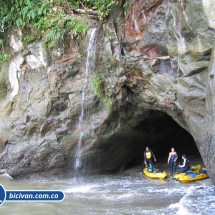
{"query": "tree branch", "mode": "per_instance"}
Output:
(84, 11)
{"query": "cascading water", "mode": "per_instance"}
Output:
(89, 65)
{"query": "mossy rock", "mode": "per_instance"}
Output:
(3, 84)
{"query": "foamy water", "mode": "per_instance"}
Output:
(117, 195)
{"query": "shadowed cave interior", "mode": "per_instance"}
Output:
(160, 132)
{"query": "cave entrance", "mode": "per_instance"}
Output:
(162, 134)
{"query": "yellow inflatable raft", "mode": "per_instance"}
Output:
(157, 174)
(196, 173)
(193, 177)
(194, 169)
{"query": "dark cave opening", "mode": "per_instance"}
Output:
(161, 133)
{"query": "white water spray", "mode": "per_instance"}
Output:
(89, 65)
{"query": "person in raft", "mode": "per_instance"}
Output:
(185, 166)
(148, 154)
(172, 159)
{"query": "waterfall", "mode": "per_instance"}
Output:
(89, 65)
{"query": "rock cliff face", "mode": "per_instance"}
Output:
(150, 59)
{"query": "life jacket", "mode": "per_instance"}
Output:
(186, 166)
(148, 154)
(173, 156)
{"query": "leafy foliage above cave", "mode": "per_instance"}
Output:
(52, 19)
(40, 19)
(48, 20)
(103, 6)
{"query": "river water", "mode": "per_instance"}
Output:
(124, 193)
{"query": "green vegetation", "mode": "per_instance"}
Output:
(98, 89)
(4, 58)
(59, 27)
(29, 38)
(103, 6)
(3, 87)
(108, 101)
(50, 20)
(97, 85)
(40, 19)
(123, 12)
